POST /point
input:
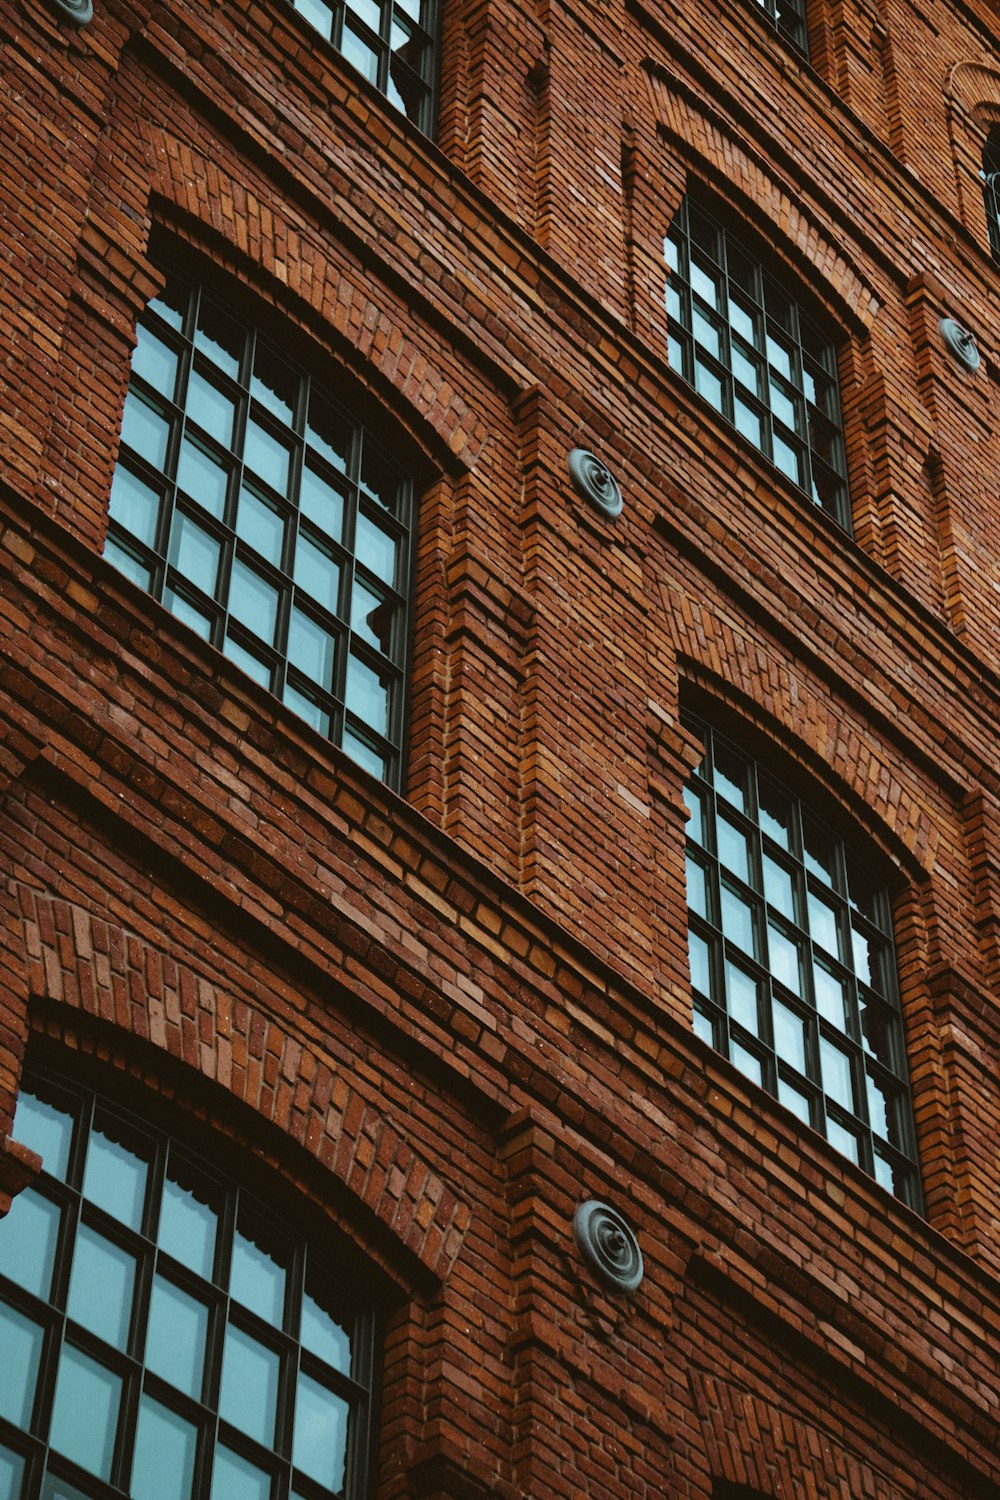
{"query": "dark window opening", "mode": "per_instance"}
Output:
(392, 42)
(990, 175)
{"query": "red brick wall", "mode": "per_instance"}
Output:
(449, 1017)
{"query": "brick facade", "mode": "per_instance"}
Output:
(448, 1017)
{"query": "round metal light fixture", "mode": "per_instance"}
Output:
(960, 343)
(595, 482)
(607, 1241)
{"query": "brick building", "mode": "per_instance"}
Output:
(462, 466)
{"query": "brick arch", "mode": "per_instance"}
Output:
(737, 169)
(83, 962)
(972, 95)
(289, 248)
(745, 671)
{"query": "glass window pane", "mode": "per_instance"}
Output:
(785, 958)
(779, 887)
(253, 601)
(376, 549)
(789, 1036)
(134, 505)
(11, 1473)
(235, 1478)
(155, 361)
(261, 526)
(372, 618)
(775, 813)
(28, 1242)
(267, 456)
(703, 1027)
(741, 997)
(380, 477)
(844, 1141)
(734, 849)
(146, 431)
(126, 562)
(202, 477)
(787, 459)
(188, 1222)
(820, 852)
(831, 997)
(21, 1342)
(329, 432)
(163, 1466)
(359, 54)
(705, 332)
(794, 1099)
(45, 1128)
(175, 1338)
(307, 709)
(318, 14)
(881, 1112)
(697, 893)
(823, 923)
(748, 421)
(367, 694)
(319, 1445)
(115, 1176)
(322, 504)
(749, 1066)
(193, 617)
(835, 1068)
(249, 1391)
(730, 777)
(324, 1335)
(85, 1413)
(211, 408)
(699, 960)
(247, 662)
(195, 553)
(220, 337)
(257, 1278)
(275, 384)
(100, 1288)
(317, 573)
(365, 756)
(738, 920)
(705, 282)
(708, 384)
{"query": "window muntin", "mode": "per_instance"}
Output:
(163, 1338)
(990, 175)
(788, 17)
(792, 963)
(750, 350)
(267, 518)
(392, 42)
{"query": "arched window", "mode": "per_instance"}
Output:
(990, 175)
(392, 42)
(163, 1337)
(792, 962)
(751, 350)
(267, 517)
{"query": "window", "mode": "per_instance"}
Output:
(792, 963)
(750, 350)
(163, 1338)
(788, 17)
(990, 175)
(392, 42)
(268, 519)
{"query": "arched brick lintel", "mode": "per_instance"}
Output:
(289, 248)
(79, 960)
(737, 168)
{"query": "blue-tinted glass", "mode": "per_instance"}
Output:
(329, 432)
(731, 777)
(379, 476)
(134, 505)
(786, 458)
(794, 1099)
(219, 337)
(367, 695)
(11, 1473)
(823, 923)
(115, 1178)
(195, 553)
(734, 851)
(789, 1036)
(100, 1288)
(257, 1280)
(252, 665)
(318, 14)
(307, 709)
(708, 384)
(261, 527)
(61, 1489)
(842, 1140)
(249, 1385)
(784, 955)
(172, 302)
(835, 1068)
(175, 1339)
(697, 891)
(155, 361)
(145, 431)
(194, 618)
(128, 564)
(831, 998)
(317, 573)
(188, 1224)
(85, 1413)
(319, 1445)
(312, 649)
(163, 1467)
(28, 1242)
(211, 408)
(320, 503)
(21, 1344)
(737, 920)
(266, 456)
(747, 420)
(359, 54)
(234, 1478)
(324, 1336)
(749, 1065)
(741, 997)
(376, 549)
(275, 384)
(779, 888)
(253, 601)
(202, 477)
(363, 754)
(700, 966)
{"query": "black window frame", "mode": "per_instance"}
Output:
(405, 73)
(241, 1215)
(183, 491)
(756, 354)
(789, 19)
(989, 175)
(759, 967)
